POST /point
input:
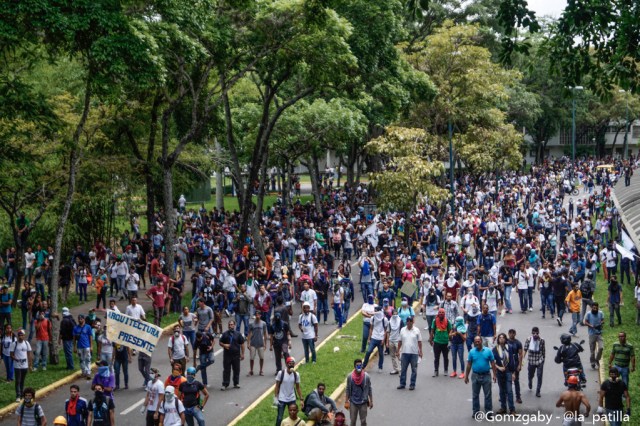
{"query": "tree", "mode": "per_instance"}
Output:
(411, 166)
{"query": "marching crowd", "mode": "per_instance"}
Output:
(516, 233)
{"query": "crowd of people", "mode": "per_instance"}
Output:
(519, 232)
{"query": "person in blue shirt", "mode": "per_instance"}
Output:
(83, 335)
(75, 408)
(5, 306)
(482, 362)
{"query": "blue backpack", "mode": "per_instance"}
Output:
(366, 269)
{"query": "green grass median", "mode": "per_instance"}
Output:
(610, 336)
(331, 368)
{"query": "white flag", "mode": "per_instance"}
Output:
(371, 234)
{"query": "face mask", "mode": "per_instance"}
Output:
(404, 303)
(190, 379)
(175, 373)
(104, 371)
(176, 334)
(169, 397)
(358, 368)
(99, 394)
(27, 401)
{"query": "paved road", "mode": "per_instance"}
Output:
(223, 406)
(446, 401)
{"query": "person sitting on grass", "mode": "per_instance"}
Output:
(318, 406)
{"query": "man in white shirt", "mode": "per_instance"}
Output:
(155, 396)
(308, 324)
(178, 348)
(377, 337)
(171, 410)
(29, 262)
(522, 286)
(410, 347)
(309, 297)
(135, 310)
(531, 283)
(287, 388)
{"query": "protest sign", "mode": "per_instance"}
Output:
(128, 331)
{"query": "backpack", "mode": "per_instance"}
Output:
(295, 374)
(366, 269)
(175, 399)
(173, 339)
(36, 413)
(347, 290)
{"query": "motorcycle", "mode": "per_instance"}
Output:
(569, 356)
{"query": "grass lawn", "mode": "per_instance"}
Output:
(610, 336)
(331, 368)
(40, 379)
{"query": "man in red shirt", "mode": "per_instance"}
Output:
(155, 267)
(43, 336)
(157, 294)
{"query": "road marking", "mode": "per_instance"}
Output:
(133, 407)
(218, 352)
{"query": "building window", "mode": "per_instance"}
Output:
(635, 132)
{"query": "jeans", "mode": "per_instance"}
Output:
(85, 360)
(121, 285)
(457, 353)
(242, 319)
(524, 299)
(547, 303)
(614, 308)
(309, 345)
(536, 370)
(206, 360)
(507, 296)
(190, 335)
(575, 319)
(365, 335)
(345, 310)
(506, 390)
(624, 374)
(21, 374)
(68, 353)
(559, 302)
(615, 416)
(405, 361)
(440, 348)
(595, 339)
(530, 296)
(144, 366)
(25, 316)
(375, 343)
(481, 381)
(8, 365)
(323, 308)
(367, 289)
(42, 354)
(337, 312)
(193, 413)
(125, 371)
(282, 406)
(82, 291)
(158, 312)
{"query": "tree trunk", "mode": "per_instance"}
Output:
(339, 171)
(219, 178)
(151, 201)
(148, 169)
(170, 216)
(314, 172)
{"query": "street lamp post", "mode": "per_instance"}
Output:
(573, 127)
(452, 186)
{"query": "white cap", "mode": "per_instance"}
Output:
(306, 304)
(170, 389)
(65, 312)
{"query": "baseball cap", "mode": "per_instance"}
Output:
(65, 311)
(306, 304)
(291, 359)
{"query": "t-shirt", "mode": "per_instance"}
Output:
(204, 316)
(289, 422)
(307, 322)
(596, 321)
(614, 393)
(101, 410)
(157, 294)
(379, 323)
(7, 342)
(6, 309)
(287, 390)
(486, 323)
(622, 354)
(410, 339)
(187, 321)
(28, 414)
(370, 309)
(190, 393)
(20, 351)
(178, 346)
(480, 359)
(136, 312)
(42, 330)
(171, 414)
(257, 334)
(155, 388)
(309, 296)
(83, 334)
(440, 336)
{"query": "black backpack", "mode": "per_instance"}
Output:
(36, 413)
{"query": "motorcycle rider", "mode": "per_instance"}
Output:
(569, 355)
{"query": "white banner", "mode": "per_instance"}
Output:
(128, 331)
(371, 234)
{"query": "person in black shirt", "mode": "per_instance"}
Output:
(101, 409)
(611, 393)
(204, 344)
(280, 339)
(233, 344)
(559, 286)
(190, 391)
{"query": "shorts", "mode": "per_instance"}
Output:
(253, 351)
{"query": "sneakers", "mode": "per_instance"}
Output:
(44, 368)
(435, 374)
(502, 411)
(530, 309)
(519, 401)
(412, 387)
(17, 399)
(394, 372)
(559, 321)
(454, 374)
(461, 376)
(538, 394)
(400, 387)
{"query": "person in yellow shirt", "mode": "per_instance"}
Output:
(574, 304)
(293, 419)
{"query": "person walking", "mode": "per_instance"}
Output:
(393, 340)
(178, 348)
(377, 337)
(410, 347)
(623, 355)
(172, 409)
(612, 398)
(287, 389)
(458, 336)
(574, 306)
(487, 327)
(504, 375)
(368, 309)
(359, 394)
(232, 343)
(122, 358)
(481, 362)
(204, 345)
(535, 347)
(571, 399)
(82, 334)
(22, 356)
(76, 408)
(308, 324)
(594, 321)
(257, 339)
(515, 361)
(190, 395)
(155, 395)
(439, 340)
(101, 409)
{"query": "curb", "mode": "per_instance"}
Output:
(269, 391)
(42, 392)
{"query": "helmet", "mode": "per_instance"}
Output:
(565, 339)
(573, 380)
(290, 359)
(60, 420)
(191, 371)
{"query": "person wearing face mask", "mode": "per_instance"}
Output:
(280, 339)
(155, 395)
(287, 389)
(175, 379)
(368, 309)
(190, 391)
(172, 409)
(75, 408)
(439, 339)
(105, 378)
(393, 338)
(405, 311)
(30, 412)
(43, 337)
(431, 305)
(101, 409)
(358, 394)
(178, 348)
(377, 337)
(612, 398)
